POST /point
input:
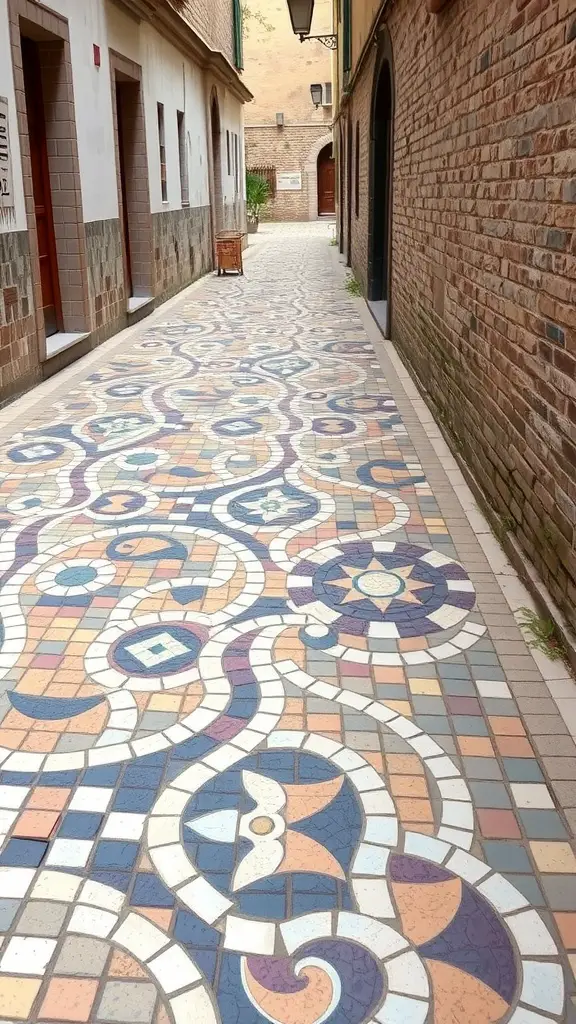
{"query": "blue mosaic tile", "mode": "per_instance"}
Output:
(23, 853)
(149, 891)
(112, 853)
(79, 825)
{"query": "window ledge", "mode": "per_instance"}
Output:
(138, 301)
(57, 343)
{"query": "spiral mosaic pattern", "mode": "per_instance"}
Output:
(259, 756)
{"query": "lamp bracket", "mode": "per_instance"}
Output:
(330, 41)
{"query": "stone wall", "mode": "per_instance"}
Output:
(484, 249)
(106, 289)
(287, 149)
(182, 249)
(19, 363)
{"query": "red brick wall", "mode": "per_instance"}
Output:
(484, 248)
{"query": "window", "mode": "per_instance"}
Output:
(183, 156)
(327, 94)
(228, 156)
(236, 165)
(162, 144)
(347, 35)
(357, 171)
(237, 23)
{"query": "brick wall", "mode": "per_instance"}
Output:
(484, 249)
(286, 149)
(213, 20)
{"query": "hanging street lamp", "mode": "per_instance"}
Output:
(316, 94)
(301, 12)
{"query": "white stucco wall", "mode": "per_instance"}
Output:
(171, 79)
(168, 78)
(231, 120)
(17, 221)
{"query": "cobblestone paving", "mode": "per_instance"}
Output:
(272, 746)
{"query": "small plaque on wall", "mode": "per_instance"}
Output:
(6, 193)
(289, 181)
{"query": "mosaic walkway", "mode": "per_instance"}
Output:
(272, 747)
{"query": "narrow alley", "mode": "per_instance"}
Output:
(272, 745)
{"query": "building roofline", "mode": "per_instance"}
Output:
(171, 23)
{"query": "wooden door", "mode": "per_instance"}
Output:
(122, 144)
(51, 303)
(326, 182)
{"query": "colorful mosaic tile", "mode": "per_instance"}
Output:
(268, 743)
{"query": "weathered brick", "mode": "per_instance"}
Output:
(484, 200)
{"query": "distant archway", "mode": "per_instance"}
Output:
(216, 140)
(311, 173)
(326, 174)
(381, 179)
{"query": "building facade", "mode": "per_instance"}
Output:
(115, 120)
(287, 136)
(456, 137)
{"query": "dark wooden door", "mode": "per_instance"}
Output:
(41, 188)
(122, 144)
(326, 182)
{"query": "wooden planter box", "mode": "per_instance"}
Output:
(229, 252)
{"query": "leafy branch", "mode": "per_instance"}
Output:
(249, 15)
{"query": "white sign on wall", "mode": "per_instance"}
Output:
(6, 188)
(289, 181)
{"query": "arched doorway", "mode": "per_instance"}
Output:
(326, 182)
(215, 132)
(381, 172)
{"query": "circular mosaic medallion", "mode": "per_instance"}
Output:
(275, 506)
(76, 576)
(33, 452)
(164, 649)
(365, 404)
(384, 589)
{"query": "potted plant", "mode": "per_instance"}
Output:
(257, 196)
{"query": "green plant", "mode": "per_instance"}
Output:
(352, 286)
(508, 524)
(543, 635)
(249, 15)
(333, 241)
(257, 194)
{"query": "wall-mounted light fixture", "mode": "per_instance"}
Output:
(316, 93)
(280, 120)
(301, 12)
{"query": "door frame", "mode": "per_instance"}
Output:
(139, 215)
(349, 191)
(52, 254)
(380, 202)
(330, 213)
(28, 18)
(217, 216)
(310, 178)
